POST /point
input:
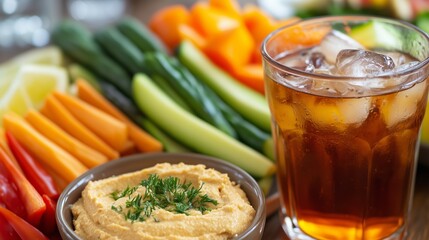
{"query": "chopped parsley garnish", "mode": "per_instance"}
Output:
(126, 192)
(168, 194)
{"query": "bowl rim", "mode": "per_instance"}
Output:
(258, 219)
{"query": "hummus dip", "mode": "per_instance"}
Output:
(95, 218)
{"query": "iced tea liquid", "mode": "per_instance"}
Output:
(345, 164)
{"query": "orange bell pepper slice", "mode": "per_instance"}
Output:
(252, 75)
(165, 24)
(229, 6)
(188, 33)
(211, 22)
(258, 23)
(231, 49)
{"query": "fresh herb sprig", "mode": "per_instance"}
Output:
(169, 194)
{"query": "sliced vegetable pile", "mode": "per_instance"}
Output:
(44, 151)
(128, 95)
(27, 194)
(150, 101)
(229, 35)
(179, 96)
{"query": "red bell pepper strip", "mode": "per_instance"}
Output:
(24, 229)
(35, 173)
(6, 230)
(48, 225)
(33, 202)
(9, 195)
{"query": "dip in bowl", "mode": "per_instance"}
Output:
(225, 214)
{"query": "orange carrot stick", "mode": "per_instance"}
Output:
(112, 131)
(128, 149)
(143, 141)
(5, 147)
(57, 113)
(86, 155)
(58, 159)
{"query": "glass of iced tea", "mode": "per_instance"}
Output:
(347, 96)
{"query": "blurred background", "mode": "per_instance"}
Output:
(27, 23)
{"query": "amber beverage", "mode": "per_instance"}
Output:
(346, 116)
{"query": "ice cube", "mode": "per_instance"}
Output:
(316, 63)
(346, 88)
(398, 57)
(310, 68)
(285, 116)
(336, 41)
(308, 60)
(338, 112)
(316, 59)
(296, 59)
(362, 63)
(354, 110)
(403, 105)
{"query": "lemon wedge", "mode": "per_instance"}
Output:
(46, 56)
(32, 85)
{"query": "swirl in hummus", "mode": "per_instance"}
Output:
(226, 216)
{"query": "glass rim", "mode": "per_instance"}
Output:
(300, 73)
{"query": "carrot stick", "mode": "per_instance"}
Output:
(57, 113)
(58, 159)
(112, 131)
(6, 149)
(86, 155)
(128, 149)
(88, 94)
(143, 141)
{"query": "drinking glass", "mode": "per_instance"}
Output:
(347, 97)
